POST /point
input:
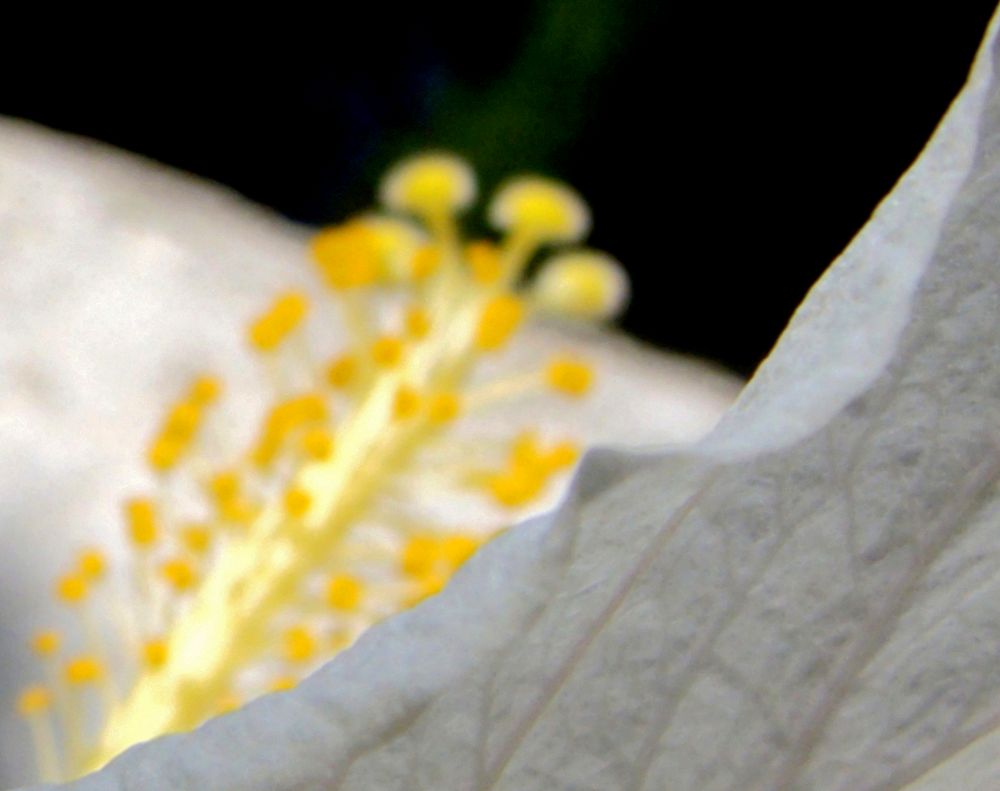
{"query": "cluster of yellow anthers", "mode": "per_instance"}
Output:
(295, 547)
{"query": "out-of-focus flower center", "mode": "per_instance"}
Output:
(289, 550)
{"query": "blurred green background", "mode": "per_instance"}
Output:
(729, 151)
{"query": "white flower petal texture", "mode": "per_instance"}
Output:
(809, 599)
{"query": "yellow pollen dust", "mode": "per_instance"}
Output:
(71, 588)
(425, 262)
(406, 403)
(569, 376)
(275, 549)
(91, 564)
(297, 502)
(83, 670)
(179, 573)
(154, 653)
(344, 592)
(46, 643)
(141, 519)
(498, 322)
(299, 644)
(341, 372)
(387, 351)
(34, 700)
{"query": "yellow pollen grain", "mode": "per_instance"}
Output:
(205, 391)
(344, 592)
(406, 403)
(562, 455)
(179, 573)
(282, 684)
(443, 407)
(297, 502)
(484, 262)
(347, 255)
(34, 700)
(387, 351)
(71, 588)
(420, 555)
(196, 538)
(417, 322)
(426, 261)
(154, 653)
(317, 444)
(516, 487)
(141, 522)
(46, 643)
(341, 371)
(457, 548)
(569, 376)
(498, 322)
(425, 587)
(299, 644)
(83, 670)
(91, 564)
(224, 486)
(164, 453)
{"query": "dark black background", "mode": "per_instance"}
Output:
(728, 153)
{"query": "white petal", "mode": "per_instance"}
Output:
(809, 601)
(118, 281)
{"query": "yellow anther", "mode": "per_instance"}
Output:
(224, 486)
(317, 444)
(154, 653)
(289, 310)
(420, 555)
(265, 333)
(83, 670)
(297, 502)
(341, 372)
(425, 587)
(299, 644)
(283, 684)
(348, 255)
(34, 700)
(344, 592)
(498, 322)
(458, 548)
(517, 486)
(560, 456)
(443, 407)
(205, 390)
(525, 450)
(283, 318)
(417, 322)
(429, 185)
(71, 588)
(239, 511)
(484, 262)
(179, 573)
(387, 351)
(91, 564)
(46, 643)
(583, 284)
(406, 403)
(426, 261)
(196, 538)
(182, 422)
(164, 453)
(543, 210)
(141, 520)
(569, 376)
